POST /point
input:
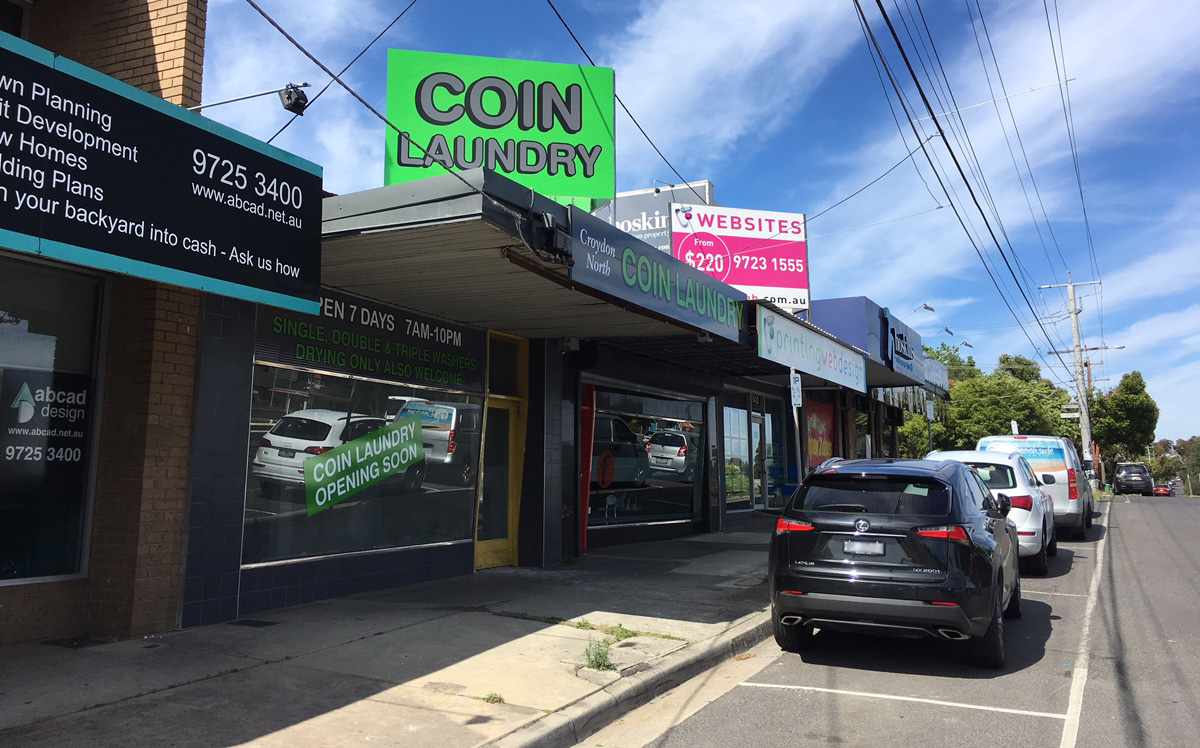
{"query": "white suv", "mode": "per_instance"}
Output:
(279, 462)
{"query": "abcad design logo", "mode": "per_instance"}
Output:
(24, 404)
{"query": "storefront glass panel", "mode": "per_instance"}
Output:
(738, 465)
(775, 461)
(647, 461)
(48, 393)
(299, 414)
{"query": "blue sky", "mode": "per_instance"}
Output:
(781, 106)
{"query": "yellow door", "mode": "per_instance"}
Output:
(500, 485)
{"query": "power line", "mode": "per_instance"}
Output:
(343, 71)
(625, 108)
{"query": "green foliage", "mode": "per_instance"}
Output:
(958, 367)
(1020, 367)
(494, 698)
(987, 404)
(1123, 420)
(598, 655)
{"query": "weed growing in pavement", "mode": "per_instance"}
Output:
(494, 698)
(616, 632)
(619, 632)
(598, 655)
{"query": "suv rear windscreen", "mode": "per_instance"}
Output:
(301, 428)
(995, 476)
(668, 440)
(875, 495)
(1133, 470)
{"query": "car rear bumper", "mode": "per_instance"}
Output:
(1073, 517)
(889, 616)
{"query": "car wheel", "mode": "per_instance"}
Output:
(414, 477)
(1052, 548)
(791, 638)
(1087, 518)
(466, 474)
(988, 650)
(1013, 609)
(1037, 565)
(639, 476)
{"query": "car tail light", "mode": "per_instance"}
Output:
(1072, 485)
(317, 450)
(1022, 502)
(941, 602)
(953, 533)
(451, 445)
(785, 525)
(790, 592)
(648, 447)
(1027, 534)
(682, 451)
(264, 442)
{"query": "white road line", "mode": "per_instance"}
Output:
(1079, 675)
(890, 697)
(1055, 594)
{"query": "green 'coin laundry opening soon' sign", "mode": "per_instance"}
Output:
(343, 472)
(546, 125)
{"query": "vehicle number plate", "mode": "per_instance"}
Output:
(864, 547)
(661, 460)
(287, 453)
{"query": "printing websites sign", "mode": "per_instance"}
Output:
(763, 253)
(609, 260)
(546, 125)
(786, 342)
(96, 172)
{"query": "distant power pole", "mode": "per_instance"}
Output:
(1085, 419)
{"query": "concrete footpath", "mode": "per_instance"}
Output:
(499, 658)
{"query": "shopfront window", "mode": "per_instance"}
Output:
(739, 468)
(647, 459)
(775, 453)
(298, 416)
(48, 393)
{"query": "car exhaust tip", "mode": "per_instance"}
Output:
(953, 634)
(791, 620)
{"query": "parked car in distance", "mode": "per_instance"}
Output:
(279, 462)
(1032, 511)
(672, 451)
(450, 432)
(1056, 463)
(1133, 477)
(899, 547)
(1162, 491)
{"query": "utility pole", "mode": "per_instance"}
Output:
(1085, 419)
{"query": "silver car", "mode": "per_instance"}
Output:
(675, 452)
(1009, 474)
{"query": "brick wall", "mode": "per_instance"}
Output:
(138, 529)
(156, 45)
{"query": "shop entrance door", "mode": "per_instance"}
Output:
(499, 487)
(758, 462)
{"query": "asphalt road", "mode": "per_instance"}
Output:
(1106, 654)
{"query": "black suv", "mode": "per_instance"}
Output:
(1133, 477)
(898, 547)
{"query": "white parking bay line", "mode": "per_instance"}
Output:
(1051, 594)
(1079, 676)
(891, 697)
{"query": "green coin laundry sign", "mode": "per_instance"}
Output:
(343, 472)
(546, 125)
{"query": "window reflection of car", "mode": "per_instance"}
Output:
(618, 455)
(674, 452)
(451, 436)
(279, 462)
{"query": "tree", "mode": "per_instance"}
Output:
(959, 367)
(1123, 420)
(987, 404)
(1020, 367)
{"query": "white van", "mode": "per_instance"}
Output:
(1057, 465)
(451, 434)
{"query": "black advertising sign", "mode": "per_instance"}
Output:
(609, 260)
(99, 173)
(364, 338)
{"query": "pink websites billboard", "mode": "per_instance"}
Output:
(762, 253)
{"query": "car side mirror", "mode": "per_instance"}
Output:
(1048, 479)
(1004, 504)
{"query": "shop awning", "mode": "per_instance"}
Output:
(479, 251)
